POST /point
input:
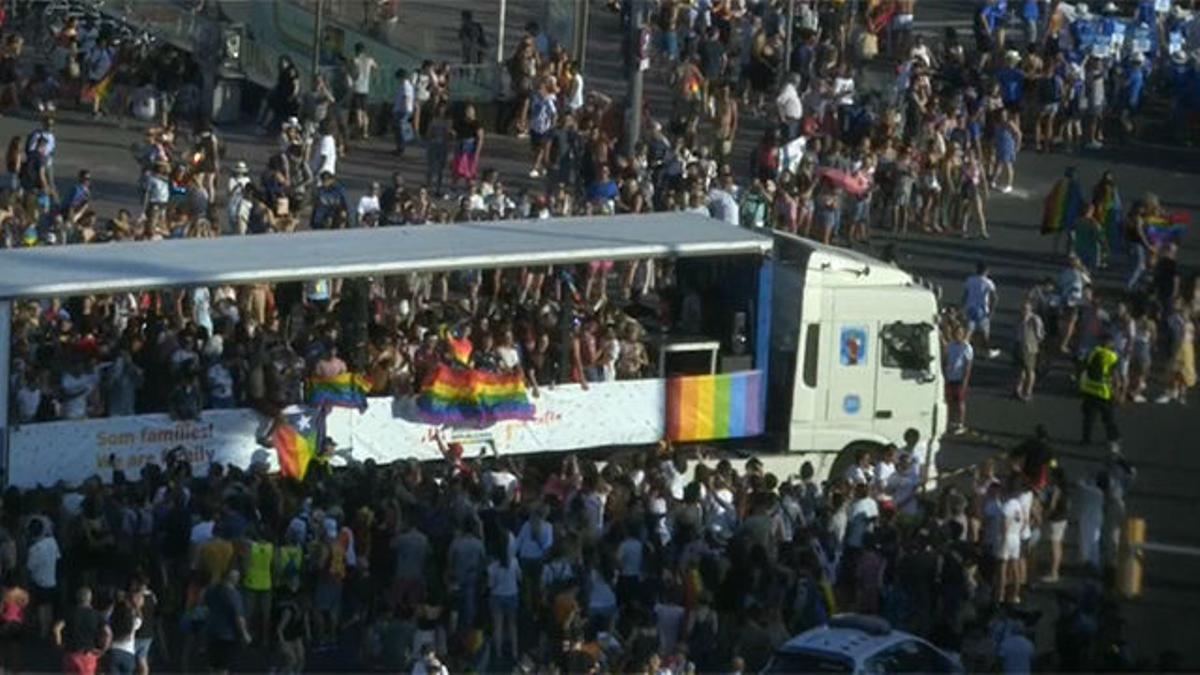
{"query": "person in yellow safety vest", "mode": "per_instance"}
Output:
(1096, 391)
(258, 558)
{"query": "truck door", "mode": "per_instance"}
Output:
(851, 355)
(906, 389)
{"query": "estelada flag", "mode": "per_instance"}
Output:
(298, 435)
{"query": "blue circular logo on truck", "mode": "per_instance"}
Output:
(851, 404)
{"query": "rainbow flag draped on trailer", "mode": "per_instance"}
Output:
(464, 396)
(348, 390)
(711, 407)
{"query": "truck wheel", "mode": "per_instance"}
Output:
(848, 456)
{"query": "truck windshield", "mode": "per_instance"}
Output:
(808, 662)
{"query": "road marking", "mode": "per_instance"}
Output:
(1170, 548)
(920, 24)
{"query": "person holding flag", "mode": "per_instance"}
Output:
(1063, 206)
(100, 72)
(1106, 209)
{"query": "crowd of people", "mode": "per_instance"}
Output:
(653, 562)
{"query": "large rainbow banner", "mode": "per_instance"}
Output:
(465, 396)
(712, 407)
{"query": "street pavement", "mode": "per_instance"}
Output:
(1159, 440)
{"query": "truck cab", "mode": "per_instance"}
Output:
(855, 358)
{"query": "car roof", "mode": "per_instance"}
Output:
(852, 642)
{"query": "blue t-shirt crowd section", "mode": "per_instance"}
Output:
(652, 562)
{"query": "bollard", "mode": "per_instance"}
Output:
(1129, 571)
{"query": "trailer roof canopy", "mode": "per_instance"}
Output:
(128, 266)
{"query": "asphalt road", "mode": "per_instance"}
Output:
(1158, 439)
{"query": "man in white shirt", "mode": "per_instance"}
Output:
(722, 204)
(364, 67)
(886, 466)
(403, 108)
(368, 208)
(861, 473)
(327, 153)
(788, 105)
(979, 302)
(863, 513)
(78, 383)
(902, 486)
(42, 564)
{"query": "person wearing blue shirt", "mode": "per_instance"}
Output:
(1083, 31)
(1145, 12)
(1029, 17)
(331, 199)
(1132, 92)
(604, 189)
(1012, 84)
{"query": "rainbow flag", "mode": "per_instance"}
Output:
(297, 437)
(1063, 206)
(100, 89)
(461, 349)
(348, 390)
(710, 407)
(465, 396)
(1166, 229)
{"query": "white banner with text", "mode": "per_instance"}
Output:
(567, 418)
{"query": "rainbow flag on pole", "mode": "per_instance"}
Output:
(464, 396)
(348, 390)
(297, 438)
(1166, 229)
(711, 407)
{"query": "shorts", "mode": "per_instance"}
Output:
(358, 102)
(1010, 549)
(504, 604)
(668, 42)
(829, 219)
(1057, 530)
(956, 392)
(221, 654)
(327, 597)
(141, 648)
(408, 592)
(862, 210)
(1049, 109)
(1029, 359)
(83, 663)
(537, 140)
(42, 596)
(121, 663)
(978, 320)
